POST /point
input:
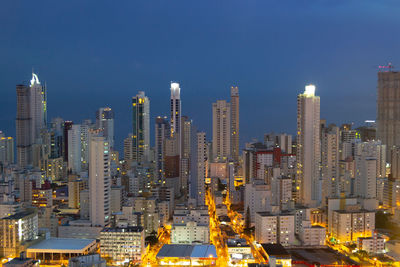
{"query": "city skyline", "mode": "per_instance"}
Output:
(158, 133)
(267, 72)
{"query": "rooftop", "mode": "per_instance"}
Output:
(65, 244)
(187, 251)
(129, 229)
(276, 250)
(19, 215)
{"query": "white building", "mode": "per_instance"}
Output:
(257, 198)
(198, 215)
(372, 245)
(189, 233)
(122, 244)
(349, 225)
(176, 111)
(308, 146)
(274, 229)
(99, 181)
(312, 235)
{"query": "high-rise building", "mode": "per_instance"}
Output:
(235, 122)
(330, 162)
(221, 143)
(176, 111)
(38, 106)
(6, 149)
(105, 122)
(184, 165)
(128, 147)
(388, 109)
(23, 126)
(74, 149)
(162, 132)
(99, 181)
(141, 127)
(66, 128)
(308, 146)
(200, 170)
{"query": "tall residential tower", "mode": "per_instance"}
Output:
(235, 122)
(141, 127)
(388, 109)
(308, 147)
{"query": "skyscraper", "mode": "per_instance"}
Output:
(74, 149)
(201, 172)
(175, 109)
(6, 149)
(235, 122)
(388, 109)
(141, 127)
(31, 118)
(162, 132)
(99, 180)
(221, 142)
(186, 125)
(330, 162)
(23, 126)
(105, 122)
(38, 100)
(308, 146)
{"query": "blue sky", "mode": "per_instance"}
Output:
(101, 53)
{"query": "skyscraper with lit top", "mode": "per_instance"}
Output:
(308, 147)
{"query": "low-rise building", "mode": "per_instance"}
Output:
(79, 229)
(190, 232)
(187, 255)
(122, 244)
(199, 215)
(60, 250)
(372, 245)
(238, 250)
(348, 225)
(271, 228)
(312, 235)
(277, 255)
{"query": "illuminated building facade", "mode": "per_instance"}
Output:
(308, 146)
(176, 111)
(140, 127)
(15, 230)
(122, 244)
(349, 225)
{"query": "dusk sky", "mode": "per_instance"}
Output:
(101, 53)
